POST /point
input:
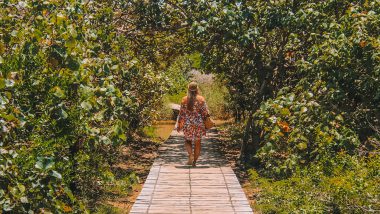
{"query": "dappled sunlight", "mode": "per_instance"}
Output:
(90, 91)
(174, 187)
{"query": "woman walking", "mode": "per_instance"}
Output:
(191, 118)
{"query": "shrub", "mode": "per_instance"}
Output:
(340, 184)
(297, 130)
(71, 91)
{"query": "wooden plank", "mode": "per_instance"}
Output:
(173, 187)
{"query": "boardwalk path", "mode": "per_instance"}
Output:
(173, 187)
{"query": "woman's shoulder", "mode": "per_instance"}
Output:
(184, 100)
(200, 98)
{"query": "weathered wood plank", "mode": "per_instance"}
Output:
(173, 187)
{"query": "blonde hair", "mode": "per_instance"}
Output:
(192, 92)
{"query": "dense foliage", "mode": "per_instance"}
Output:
(259, 47)
(318, 133)
(339, 184)
(72, 88)
(306, 76)
(78, 78)
(303, 77)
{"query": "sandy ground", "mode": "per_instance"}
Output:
(137, 157)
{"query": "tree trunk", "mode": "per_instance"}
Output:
(247, 131)
(251, 135)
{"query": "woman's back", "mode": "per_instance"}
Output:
(195, 106)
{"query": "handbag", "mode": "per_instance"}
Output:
(209, 123)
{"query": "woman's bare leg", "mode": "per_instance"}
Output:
(197, 149)
(188, 147)
(189, 151)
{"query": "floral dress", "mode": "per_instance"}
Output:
(191, 122)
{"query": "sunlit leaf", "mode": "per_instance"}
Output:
(339, 117)
(58, 92)
(63, 114)
(86, 105)
(44, 163)
(285, 111)
(24, 200)
(302, 146)
(56, 174)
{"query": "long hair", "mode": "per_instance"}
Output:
(192, 93)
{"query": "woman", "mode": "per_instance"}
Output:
(192, 113)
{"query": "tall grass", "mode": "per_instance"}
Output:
(215, 94)
(179, 75)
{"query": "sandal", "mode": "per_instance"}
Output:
(194, 163)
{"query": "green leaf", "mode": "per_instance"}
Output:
(86, 105)
(285, 111)
(44, 163)
(8, 117)
(21, 188)
(14, 33)
(291, 97)
(115, 67)
(117, 129)
(99, 116)
(70, 43)
(7, 205)
(39, 165)
(49, 163)
(123, 137)
(63, 114)
(60, 18)
(2, 83)
(339, 117)
(73, 32)
(276, 129)
(56, 174)
(24, 200)
(105, 140)
(69, 194)
(58, 92)
(302, 146)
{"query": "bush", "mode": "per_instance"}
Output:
(341, 184)
(71, 91)
(297, 130)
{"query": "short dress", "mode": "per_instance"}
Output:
(192, 121)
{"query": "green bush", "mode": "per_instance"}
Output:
(71, 91)
(340, 184)
(177, 78)
(297, 130)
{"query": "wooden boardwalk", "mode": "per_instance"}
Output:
(173, 187)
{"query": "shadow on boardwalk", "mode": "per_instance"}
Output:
(173, 187)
